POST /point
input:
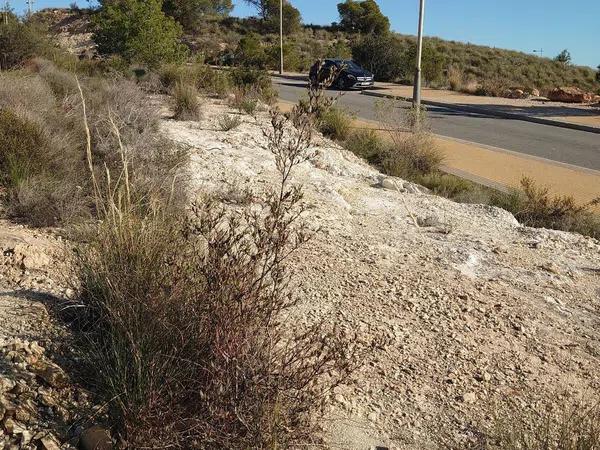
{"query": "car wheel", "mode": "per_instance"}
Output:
(340, 84)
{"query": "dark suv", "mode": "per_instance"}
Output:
(351, 75)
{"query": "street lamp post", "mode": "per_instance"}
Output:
(540, 51)
(281, 37)
(417, 87)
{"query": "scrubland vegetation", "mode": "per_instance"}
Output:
(212, 365)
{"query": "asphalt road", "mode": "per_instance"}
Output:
(579, 148)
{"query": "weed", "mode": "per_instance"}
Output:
(334, 123)
(367, 144)
(228, 122)
(187, 103)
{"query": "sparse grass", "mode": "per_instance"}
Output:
(564, 425)
(535, 206)
(187, 102)
(228, 122)
(334, 123)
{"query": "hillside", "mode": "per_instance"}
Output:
(464, 66)
(466, 314)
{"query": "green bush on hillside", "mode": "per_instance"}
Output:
(139, 31)
(381, 55)
(190, 13)
(268, 10)
(362, 17)
(20, 41)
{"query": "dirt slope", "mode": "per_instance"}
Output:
(469, 308)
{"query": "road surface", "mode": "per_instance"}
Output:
(579, 148)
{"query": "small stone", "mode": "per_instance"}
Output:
(95, 438)
(51, 374)
(469, 397)
(49, 443)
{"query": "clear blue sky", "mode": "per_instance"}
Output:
(515, 24)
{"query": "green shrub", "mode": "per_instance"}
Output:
(446, 185)
(251, 52)
(253, 82)
(363, 17)
(247, 77)
(334, 123)
(367, 144)
(381, 55)
(228, 122)
(190, 13)
(139, 31)
(23, 143)
(20, 41)
(432, 63)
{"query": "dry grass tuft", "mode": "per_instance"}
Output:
(228, 122)
(564, 425)
(187, 102)
(535, 206)
(334, 123)
(44, 156)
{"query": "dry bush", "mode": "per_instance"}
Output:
(228, 122)
(244, 102)
(187, 102)
(412, 151)
(455, 78)
(187, 319)
(535, 206)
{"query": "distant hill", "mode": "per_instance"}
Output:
(466, 67)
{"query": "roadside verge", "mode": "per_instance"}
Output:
(502, 169)
(491, 112)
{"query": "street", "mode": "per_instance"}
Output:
(574, 147)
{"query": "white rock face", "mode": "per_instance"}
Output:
(469, 308)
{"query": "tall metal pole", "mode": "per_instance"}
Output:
(417, 87)
(29, 7)
(281, 37)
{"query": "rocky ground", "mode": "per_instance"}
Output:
(473, 312)
(41, 407)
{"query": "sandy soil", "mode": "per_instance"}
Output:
(472, 311)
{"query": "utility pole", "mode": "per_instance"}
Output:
(417, 87)
(281, 37)
(540, 51)
(29, 7)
